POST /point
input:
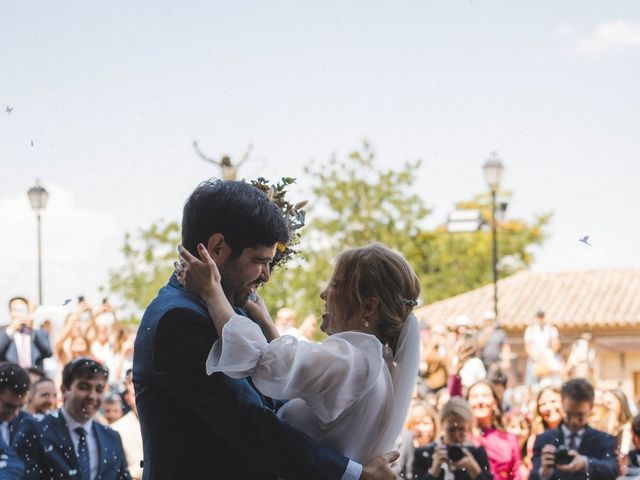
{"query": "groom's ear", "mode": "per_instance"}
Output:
(217, 247)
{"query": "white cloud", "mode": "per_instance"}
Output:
(609, 36)
(79, 245)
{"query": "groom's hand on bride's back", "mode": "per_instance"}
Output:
(380, 467)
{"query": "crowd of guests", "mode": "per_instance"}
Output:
(518, 443)
(56, 377)
(467, 421)
(64, 394)
(67, 403)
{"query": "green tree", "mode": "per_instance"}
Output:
(353, 204)
(452, 263)
(148, 263)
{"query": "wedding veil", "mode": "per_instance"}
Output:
(404, 377)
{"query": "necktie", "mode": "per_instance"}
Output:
(84, 465)
(23, 356)
(572, 441)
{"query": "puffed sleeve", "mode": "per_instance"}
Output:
(239, 350)
(330, 376)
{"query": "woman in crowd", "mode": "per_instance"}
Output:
(548, 410)
(72, 342)
(351, 392)
(421, 429)
(99, 336)
(423, 424)
(619, 418)
(502, 447)
(547, 413)
(122, 358)
(453, 456)
(517, 423)
(433, 356)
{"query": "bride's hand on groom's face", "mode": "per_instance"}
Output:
(258, 310)
(201, 276)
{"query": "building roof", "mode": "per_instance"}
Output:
(593, 299)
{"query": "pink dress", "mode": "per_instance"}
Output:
(504, 453)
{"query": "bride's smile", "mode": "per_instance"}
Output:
(331, 322)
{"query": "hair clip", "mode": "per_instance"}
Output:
(411, 303)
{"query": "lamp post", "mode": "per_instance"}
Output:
(38, 197)
(492, 170)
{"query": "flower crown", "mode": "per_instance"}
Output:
(293, 214)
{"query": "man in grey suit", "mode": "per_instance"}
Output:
(19, 343)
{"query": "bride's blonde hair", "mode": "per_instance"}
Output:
(377, 271)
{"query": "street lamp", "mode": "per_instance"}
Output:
(492, 170)
(38, 197)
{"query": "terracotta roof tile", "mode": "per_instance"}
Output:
(593, 298)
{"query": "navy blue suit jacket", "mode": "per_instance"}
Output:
(199, 426)
(598, 446)
(16, 422)
(45, 445)
(40, 347)
(11, 465)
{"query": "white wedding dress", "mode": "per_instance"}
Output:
(346, 392)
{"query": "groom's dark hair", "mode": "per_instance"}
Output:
(236, 209)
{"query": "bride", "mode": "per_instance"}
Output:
(351, 392)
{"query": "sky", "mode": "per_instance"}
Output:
(107, 98)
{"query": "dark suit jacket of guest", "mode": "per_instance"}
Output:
(598, 446)
(198, 426)
(16, 422)
(423, 461)
(40, 347)
(45, 445)
(11, 465)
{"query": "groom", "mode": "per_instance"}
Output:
(197, 426)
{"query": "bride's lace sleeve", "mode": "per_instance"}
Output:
(330, 376)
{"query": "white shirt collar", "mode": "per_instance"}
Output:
(72, 424)
(567, 432)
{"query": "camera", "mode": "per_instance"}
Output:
(455, 453)
(562, 456)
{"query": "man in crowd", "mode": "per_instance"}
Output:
(630, 463)
(129, 429)
(542, 344)
(35, 374)
(11, 465)
(14, 391)
(495, 351)
(19, 343)
(112, 408)
(574, 450)
(286, 322)
(68, 443)
(43, 397)
(308, 328)
(195, 425)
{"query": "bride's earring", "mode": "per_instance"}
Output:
(366, 323)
